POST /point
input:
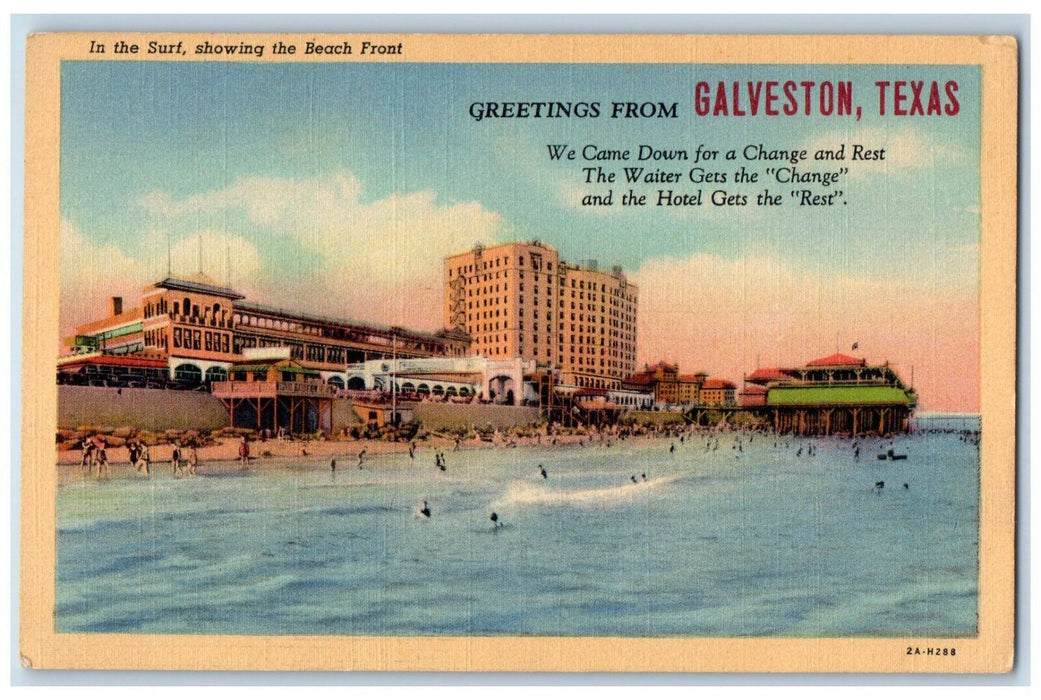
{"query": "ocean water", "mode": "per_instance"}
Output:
(749, 538)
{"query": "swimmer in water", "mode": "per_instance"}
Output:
(542, 471)
(425, 510)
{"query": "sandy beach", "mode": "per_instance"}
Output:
(261, 451)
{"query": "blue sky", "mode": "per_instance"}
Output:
(337, 188)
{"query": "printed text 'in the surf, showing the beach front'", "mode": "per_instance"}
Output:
(207, 49)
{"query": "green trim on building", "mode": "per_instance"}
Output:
(299, 370)
(838, 396)
(250, 368)
(94, 338)
(264, 367)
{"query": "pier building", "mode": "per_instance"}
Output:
(269, 389)
(522, 300)
(837, 394)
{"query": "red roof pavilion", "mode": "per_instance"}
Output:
(837, 360)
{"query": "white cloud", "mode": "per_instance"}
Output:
(91, 272)
(906, 148)
(227, 259)
(572, 194)
(375, 260)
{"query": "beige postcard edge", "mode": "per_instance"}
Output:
(991, 651)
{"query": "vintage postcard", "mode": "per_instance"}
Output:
(519, 353)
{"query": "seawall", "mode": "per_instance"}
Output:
(144, 409)
(158, 409)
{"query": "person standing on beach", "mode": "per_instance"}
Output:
(89, 450)
(412, 453)
(244, 452)
(143, 459)
(193, 460)
(175, 459)
(102, 459)
(361, 458)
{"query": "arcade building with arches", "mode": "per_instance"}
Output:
(188, 333)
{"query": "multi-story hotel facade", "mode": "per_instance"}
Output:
(521, 300)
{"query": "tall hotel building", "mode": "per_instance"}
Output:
(522, 300)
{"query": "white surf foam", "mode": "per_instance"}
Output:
(522, 493)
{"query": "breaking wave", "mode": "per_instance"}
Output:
(521, 493)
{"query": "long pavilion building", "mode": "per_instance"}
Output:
(833, 395)
(188, 332)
